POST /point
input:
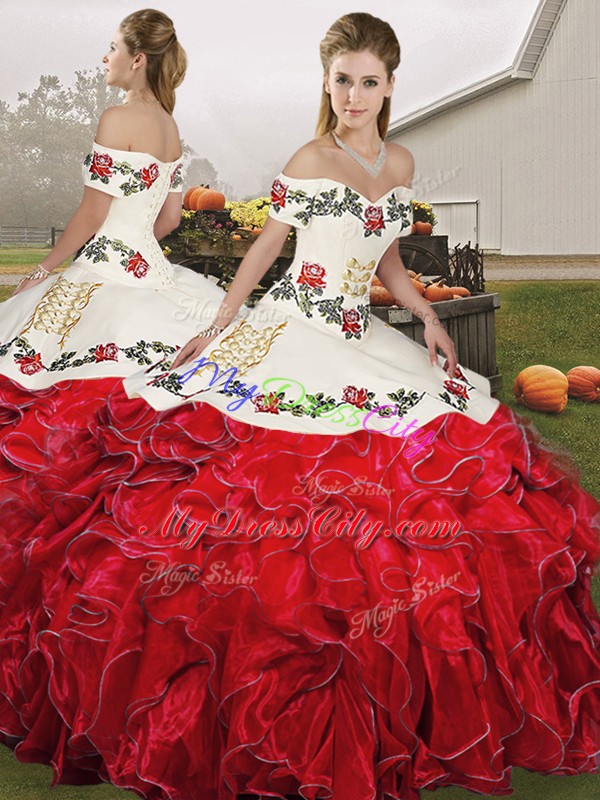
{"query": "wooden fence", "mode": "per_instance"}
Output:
(14, 236)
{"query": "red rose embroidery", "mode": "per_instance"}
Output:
(101, 165)
(137, 265)
(278, 193)
(456, 388)
(29, 365)
(374, 218)
(312, 275)
(176, 179)
(350, 320)
(149, 174)
(107, 352)
(357, 397)
(267, 402)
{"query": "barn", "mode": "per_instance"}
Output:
(512, 162)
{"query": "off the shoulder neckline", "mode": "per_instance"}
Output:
(137, 153)
(285, 177)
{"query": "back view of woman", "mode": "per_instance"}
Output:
(120, 305)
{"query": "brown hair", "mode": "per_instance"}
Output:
(152, 32)
(354, 33)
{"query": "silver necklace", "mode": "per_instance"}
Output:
(372, 169)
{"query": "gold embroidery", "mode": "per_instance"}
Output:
(363, 277)
(60, 308)
(244, 347)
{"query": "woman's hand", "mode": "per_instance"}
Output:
(436, 336)
(26, 283)
(192, 349)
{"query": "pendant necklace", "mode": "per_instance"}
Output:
(372, 169)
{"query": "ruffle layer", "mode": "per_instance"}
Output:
(306, 663)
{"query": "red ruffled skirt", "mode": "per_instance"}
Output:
(145, 642)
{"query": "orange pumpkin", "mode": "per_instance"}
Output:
(542, 388)
(209, 200)
(195, 196)
(437, 291)
(381, 297)
(420, 287)
(187, 196)
(461, 291)
(376, 281)
(422, 228)
(584, 383)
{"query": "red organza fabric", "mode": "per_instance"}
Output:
(288, 664)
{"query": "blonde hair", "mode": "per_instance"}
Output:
(152, 32)
(354, 33)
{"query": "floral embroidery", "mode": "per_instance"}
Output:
(29, 365)
(318, 405)
(312, 275)
(374, 219)
(268, 403)
(149, 174)
(357, 397)
(278, 193)
(457, 394)
(353, 322)
(102, 168)
(176, 177)
(350, 321)
(132, 260)
(138, 265)
(30, 361)
(107, 352)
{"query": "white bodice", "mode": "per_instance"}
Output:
(125, 246)
(341, 237)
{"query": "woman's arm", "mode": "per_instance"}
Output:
(259, 258)
(392, 273)
(169, 216)
(84, 223)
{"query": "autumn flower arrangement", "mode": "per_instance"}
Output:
(423, 212)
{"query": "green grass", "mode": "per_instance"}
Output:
(20, 260)
(550, 322)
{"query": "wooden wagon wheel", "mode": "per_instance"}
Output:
(428, 262)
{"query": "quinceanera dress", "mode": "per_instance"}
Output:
(119, 306)
(204, 614)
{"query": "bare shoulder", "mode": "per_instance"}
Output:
(113, 127)
(310, 160)
(401, 161)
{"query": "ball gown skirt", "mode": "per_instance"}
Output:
(199, 604)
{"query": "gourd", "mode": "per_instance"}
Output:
(542, 388)
(209, 200)
(460, 291)
(422, 228)
(437, 291)
(584, 383)
(194, 197)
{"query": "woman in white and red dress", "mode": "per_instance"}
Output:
(257, 599)
(66, 341)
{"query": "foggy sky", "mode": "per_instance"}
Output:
(252, 90)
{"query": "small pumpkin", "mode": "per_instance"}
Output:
(376, 281)
(437, 291)
(210, 200)
(420, 287)
(422, 228)
(584, 383)
(236, 236)
(187, 196)
(381, 297)
(542, 388)
(195, 196)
